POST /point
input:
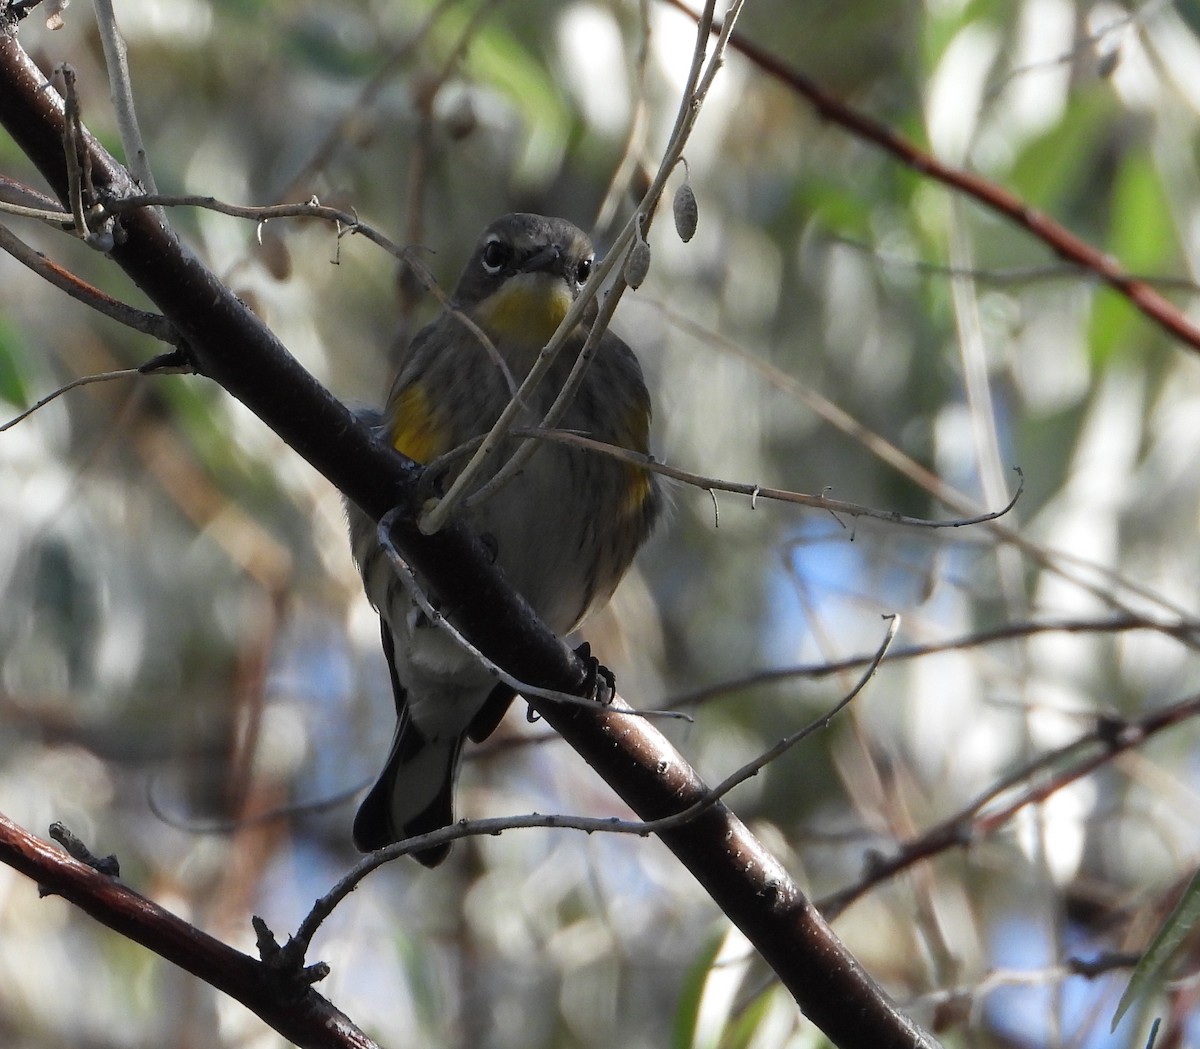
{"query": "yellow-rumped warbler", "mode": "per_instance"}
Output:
(563, 530)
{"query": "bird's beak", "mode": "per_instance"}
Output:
(548, 259)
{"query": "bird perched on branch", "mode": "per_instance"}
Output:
(563, 530)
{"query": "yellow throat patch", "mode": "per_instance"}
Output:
(526, 309)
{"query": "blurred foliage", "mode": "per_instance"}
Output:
(187, 646)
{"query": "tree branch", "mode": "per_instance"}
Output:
(1065, 244)
(988, 813)
(298, 1013)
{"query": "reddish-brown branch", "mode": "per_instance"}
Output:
(299, 1014)
(975, 822)
(1059, 239)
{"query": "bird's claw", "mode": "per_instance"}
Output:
(601, 684)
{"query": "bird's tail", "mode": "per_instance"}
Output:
(414, 793)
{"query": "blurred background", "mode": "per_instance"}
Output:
(185, 649)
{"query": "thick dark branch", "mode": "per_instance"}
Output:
(299, 1014)
(231, 346)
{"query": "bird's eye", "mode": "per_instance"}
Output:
(584, 270)
(495, 255)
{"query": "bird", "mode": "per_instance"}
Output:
(563, 530)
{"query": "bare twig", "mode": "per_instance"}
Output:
(56, 217)
(1003, 275)
(325, 906)
(1183, 631)
(298, 1013)
(71, 135)
(700, 80)
(340, 130)
(625, 168)
(1057, 237)
(346, 223)
(153, 324)
(970, 997)
(409, 581)
(120, 85)
(976, 820)
(236, 823)
(464, 483)
(1090, 41)
(422, 143)
(756, 491)
(1101, 581)
(83, 380)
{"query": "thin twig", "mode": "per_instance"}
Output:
(346, 223)
(757, 491)
(54, 217)
(120, 85)
(435, 518)
(700, 80)
(699, 85)
(622, 174)
(1088, 41)
(714, 484)
(1002, 275)
(353, 115)
(300, 942)
(1057, 237)
(422, 141)
(237, 823)
(1084, 755)
(409, 581)
(1184, 631)
(752, 768)
(1067, 564)
(72, 129)
(152, 324)
(83, 380)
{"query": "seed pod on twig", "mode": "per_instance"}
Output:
(687, 212)
(637, 262)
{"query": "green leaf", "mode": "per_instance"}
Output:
(1112, 325)
(1179, 923)
(1141, 233)
(687, 1012)
(13, 388)
(1142, 238)
(746, 1025)
(1054, 167)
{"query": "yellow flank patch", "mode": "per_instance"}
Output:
(417, 429)
(635, 436)
(636, 491)
(527, 308)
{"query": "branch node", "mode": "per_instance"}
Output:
(1113, 731)
(264, 940)
(172, 362)
(76, 849)
(286, 963)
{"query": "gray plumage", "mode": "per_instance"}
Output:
(564, 530)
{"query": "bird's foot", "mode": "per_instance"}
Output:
(601, 683)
